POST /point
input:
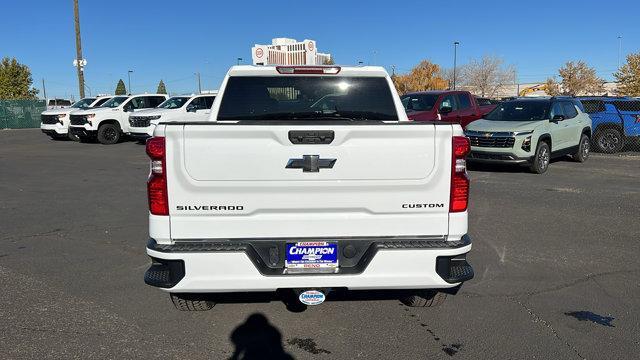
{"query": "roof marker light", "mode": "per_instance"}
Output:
(330, 70)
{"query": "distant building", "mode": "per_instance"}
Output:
(284, 51)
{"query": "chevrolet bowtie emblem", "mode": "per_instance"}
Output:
(310, 163)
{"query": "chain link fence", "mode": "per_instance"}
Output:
(616, 123)
(20, 114)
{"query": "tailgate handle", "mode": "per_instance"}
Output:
(311, 136)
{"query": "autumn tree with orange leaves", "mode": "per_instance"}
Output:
(424, 76)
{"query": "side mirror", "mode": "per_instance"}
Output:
(445, 109)
(557, 118)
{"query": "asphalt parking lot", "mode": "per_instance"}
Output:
(556, 260)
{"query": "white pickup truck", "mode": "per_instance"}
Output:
(306, 180)
(55, 122)
(109, 122)
(185, 108)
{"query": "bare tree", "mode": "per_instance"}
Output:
(487, 76)
(578, 78)
(447, 75)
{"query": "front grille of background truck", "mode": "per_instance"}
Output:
(49, 119)
(78, 119)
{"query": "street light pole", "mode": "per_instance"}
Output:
(455, 60)
(199, 86)
(619, 49)
(129, 75)
(79, 62)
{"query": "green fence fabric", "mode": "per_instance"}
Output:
(20, 114)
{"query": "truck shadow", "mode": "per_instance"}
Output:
(256, 338)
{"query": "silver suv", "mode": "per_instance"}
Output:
(531, 131)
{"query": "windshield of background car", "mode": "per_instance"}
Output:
(307, 98)
(174, 102)
(83, 104)
(419, 102)
(520, 111)
(115, 102)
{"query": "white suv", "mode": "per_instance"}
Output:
(183, 108)
(55, 122)
(110, 121)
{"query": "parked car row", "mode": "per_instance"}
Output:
(107, 119)
(524, 131)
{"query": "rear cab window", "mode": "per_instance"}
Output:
(309, 98)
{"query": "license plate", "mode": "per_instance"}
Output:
(312, 255)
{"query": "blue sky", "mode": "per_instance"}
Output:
(172, 40)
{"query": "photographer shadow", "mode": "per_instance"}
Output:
(256, 338)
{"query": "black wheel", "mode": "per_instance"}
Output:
(109, 134)
(582, 154)
(191, 302)
(424, 298)
(541, 159)
(73, 137)
(609, 141)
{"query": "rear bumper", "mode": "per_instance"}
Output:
(256, 265)
(497, 157)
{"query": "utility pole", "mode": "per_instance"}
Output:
(455, 59)
(199, 85)
(393, 70)
(79, 64)
(44, 90)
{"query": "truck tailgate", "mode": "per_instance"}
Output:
(231, 181)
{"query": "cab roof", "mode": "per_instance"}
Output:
(307, 70)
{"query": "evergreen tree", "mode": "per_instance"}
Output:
(120, 88)
(161, 88)
(15, 80)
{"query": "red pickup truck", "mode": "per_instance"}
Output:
(444, 105)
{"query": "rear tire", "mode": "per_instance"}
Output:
(425, 298)
(191, 302)
(609, 141)
(582, 154)
(109, 134)
(541, 159)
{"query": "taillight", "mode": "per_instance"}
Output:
(157, 183)
(459, 180)
(328, 70)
